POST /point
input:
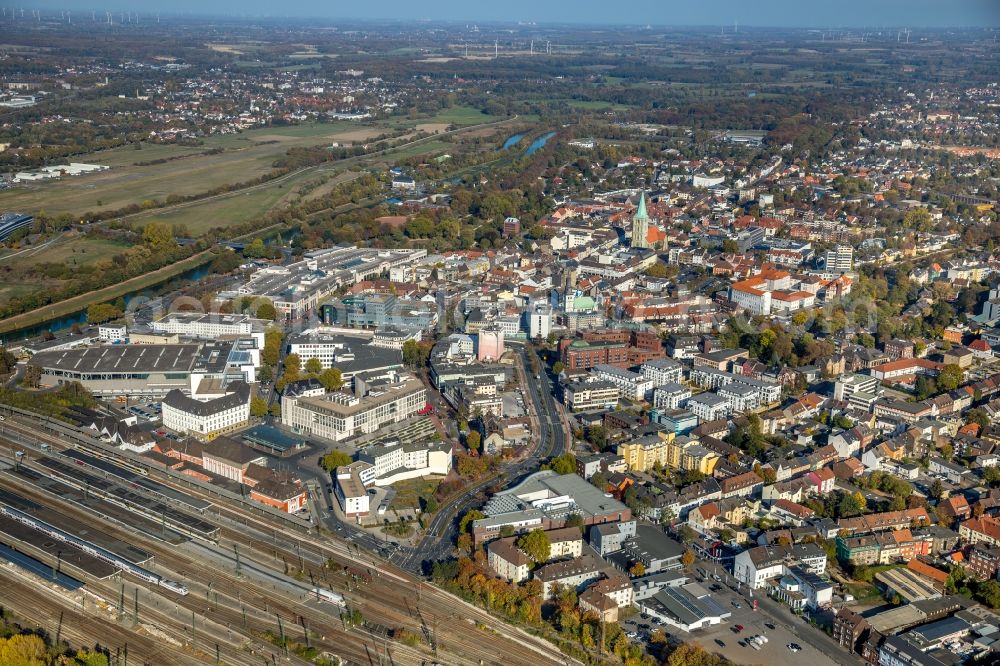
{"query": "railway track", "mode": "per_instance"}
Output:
(80, 629)
(252, 604)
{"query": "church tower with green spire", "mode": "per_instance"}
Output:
(640, 224)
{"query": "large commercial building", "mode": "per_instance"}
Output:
(770, 291)
(149, 370)
(211, 326)
(375, 402)
(618, 347)
(350, 355)
(379, 311)
(297, 289)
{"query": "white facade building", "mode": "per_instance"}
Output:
(211, 326)
(662, 371)
(581, 396)
(539, 321)
(709, 407)
(207, 418)
(112, 333)
(671, 396)
(632, 385)
(339, 415)
(387, 464)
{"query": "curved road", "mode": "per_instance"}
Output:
(438, 542)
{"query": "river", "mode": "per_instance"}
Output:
(537, 144)
(512, 141)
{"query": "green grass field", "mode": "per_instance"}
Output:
(12, 289)
(409, 492)
(245, 156)
(459, 115)
(237, 208)
(73, 250)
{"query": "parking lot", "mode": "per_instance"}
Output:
(773, 620)
(775, 651)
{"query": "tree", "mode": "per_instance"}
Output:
(258, 406)
(658, 270)
(412, 355)
(597, 436)
(536, 545)
(465, 524)
(332, 379)
(23, 650)
(564, 464)
(335, 459)
(989, 593)
(98, 313)
(293, 366)
(637, 569)
(937, 489)
(32, 376)
(729, 246)
(266, 310)
(576, 520)
(558, 367)
(687, 534)
(687, 559)
(255, 249)
(314, 366)
(978, 416)
(158, 236)
(951, 377)
(473, 440)
(272, 347)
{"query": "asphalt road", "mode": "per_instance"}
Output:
(438, 542)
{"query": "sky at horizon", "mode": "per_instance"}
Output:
(775, 13)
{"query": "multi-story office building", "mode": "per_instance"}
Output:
(375, 403)
(211, 326)
(582, 396)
